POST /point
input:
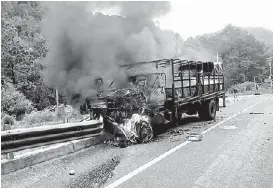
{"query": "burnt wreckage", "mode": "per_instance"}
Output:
(173, 87)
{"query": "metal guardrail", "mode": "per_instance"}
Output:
(27, 138)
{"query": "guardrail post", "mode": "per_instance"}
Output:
(11, 154)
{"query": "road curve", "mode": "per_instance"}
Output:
(236, 151)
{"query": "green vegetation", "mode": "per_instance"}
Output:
(14, 102)
(242, 54)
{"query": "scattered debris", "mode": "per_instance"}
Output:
(119, 143)
(175, 140)
(123, 144)
(72, 172)
(256, 113)
(195, 137)
(176, 132)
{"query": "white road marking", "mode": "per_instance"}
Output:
(164, 155)
(232, 127)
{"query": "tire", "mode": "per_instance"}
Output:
(207, 110)
(145, 131)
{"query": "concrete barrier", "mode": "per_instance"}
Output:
(45, 154)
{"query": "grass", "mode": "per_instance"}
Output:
(45, 117)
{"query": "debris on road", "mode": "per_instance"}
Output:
(195, 137)
(72, 172)
(118, 143)
(176, 132)
(256, 113)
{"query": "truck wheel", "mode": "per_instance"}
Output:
(144, 131)
(211, 110)
(207, 110)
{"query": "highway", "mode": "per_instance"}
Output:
(235, 151)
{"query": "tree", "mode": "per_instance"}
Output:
(23, 50)
(240, 52)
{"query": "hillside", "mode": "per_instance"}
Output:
(242, 53)
(262, 34)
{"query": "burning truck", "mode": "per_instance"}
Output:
(158, 93)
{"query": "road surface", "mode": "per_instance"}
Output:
(235, 151)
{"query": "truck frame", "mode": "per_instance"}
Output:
(205, 87)
(184, 87)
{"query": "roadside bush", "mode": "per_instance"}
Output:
(243, 87)
(39, 118)
(48, 117)
(14, 103)
(8, 120)
(45, 117)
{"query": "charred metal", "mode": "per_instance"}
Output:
(158, 98)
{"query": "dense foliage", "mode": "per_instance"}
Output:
(243, 56)
(23, 50)
(14, 102)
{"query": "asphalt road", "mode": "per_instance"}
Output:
(235, 151)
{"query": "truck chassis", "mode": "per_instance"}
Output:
(190, 87)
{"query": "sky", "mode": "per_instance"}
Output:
(196, 17)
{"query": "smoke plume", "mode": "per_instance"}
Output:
(84, 46)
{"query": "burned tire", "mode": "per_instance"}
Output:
(207, 110)
(145, 131)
